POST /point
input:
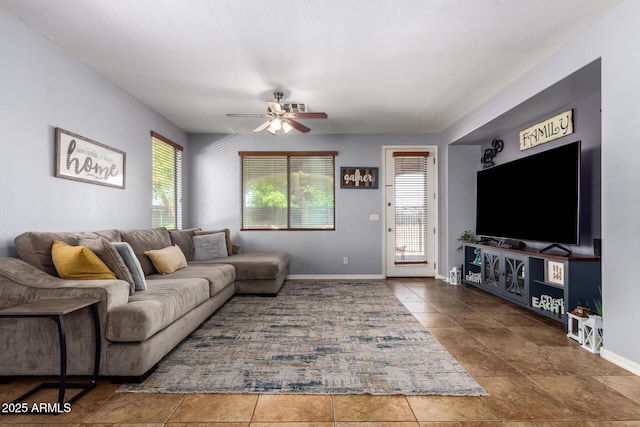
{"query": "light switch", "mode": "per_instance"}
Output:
(374, 217)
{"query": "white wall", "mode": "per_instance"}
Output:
(41, 88)
(215, 199)
(614, 40)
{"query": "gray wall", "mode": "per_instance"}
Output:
(214, 196)
(613, 40)
(620, 178)
(41, 88)
(463, 163)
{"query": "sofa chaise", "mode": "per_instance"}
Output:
(163, 285)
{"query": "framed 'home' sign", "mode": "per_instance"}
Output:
(358, 177)
(82, 159)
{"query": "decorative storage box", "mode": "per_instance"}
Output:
(455, 276)
(592, 334)
(575, 327)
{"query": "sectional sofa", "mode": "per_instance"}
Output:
(163, 285)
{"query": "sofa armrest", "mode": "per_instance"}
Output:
(21, 282)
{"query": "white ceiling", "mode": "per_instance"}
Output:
(375, 66)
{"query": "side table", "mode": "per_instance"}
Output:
(56, 309)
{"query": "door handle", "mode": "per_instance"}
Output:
(389, 229)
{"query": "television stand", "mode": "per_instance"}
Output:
(548, 284)
(555, 245)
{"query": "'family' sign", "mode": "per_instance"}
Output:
(553, 128)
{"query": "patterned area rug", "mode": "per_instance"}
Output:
(313, 338)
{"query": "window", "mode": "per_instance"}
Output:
(288, 190)
(166, 171)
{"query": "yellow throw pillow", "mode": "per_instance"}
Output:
(78, 262)
(167, 260)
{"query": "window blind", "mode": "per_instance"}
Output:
(288, 190)
(166, 171)
(264, 192)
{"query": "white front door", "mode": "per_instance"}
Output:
(410, 211)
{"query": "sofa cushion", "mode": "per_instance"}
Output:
(111, 235)
(34, 247)
(219, 276)
(108, 253)
(79, 262)
(184, 239)
(130, 259)
(146, 240)
(210, 246)
(167, 260)
(254, 265)
(146, 313)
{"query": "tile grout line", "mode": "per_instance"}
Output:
(255, 407)
(413, 412)
(184, 397)
(333, 411)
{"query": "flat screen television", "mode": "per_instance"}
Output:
(535, 198)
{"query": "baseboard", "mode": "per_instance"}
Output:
(346, 277)
(335, 277)
(624, 363)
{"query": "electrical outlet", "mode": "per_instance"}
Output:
(345, 260)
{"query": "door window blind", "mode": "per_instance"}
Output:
(410, 206)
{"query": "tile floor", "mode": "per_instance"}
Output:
(535, 375)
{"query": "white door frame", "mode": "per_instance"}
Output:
(383, 175)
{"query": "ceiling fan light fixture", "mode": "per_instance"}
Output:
(276, 125)
(286, 127)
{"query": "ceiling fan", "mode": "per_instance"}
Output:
(281, 116)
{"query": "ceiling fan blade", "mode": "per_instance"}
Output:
(297, 125)
(275, 107)
(307, 115)
(247, 115)
(262, 126)
(286, 127)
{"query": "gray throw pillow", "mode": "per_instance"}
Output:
(126, 252)
(227, 234)
(210, 246)
(110, 256)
